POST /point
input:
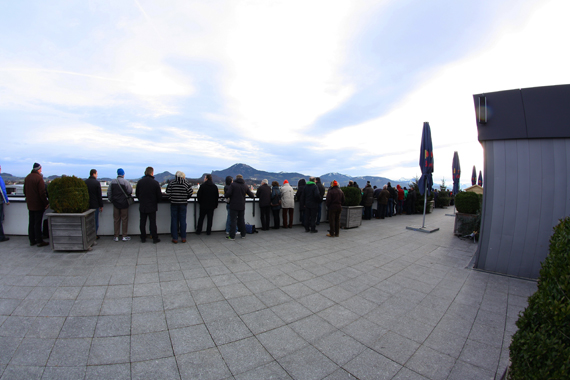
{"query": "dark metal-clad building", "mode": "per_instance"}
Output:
(526, 141)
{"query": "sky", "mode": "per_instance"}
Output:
(281, 85)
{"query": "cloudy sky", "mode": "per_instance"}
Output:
(306, 86)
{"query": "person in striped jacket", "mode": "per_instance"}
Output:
(178, 191)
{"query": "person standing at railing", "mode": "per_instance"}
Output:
(207, 196)
(178, 191)
(119, 193)
(149, 193)
(95, 196)
(322, 192)
(311, 200)
(264, 196)
(236, 192)
(275, 204)
(37, 202)
(3, 201)
(335, 200)
(287, 204)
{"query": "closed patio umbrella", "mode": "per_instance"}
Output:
(480, 180)
(474, 176)
(456, 170)
(425, 183)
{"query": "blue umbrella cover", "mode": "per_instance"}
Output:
(474, 176)
(456, 169)
(426, 161)
(480, 180)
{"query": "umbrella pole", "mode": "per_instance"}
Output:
(425, 202)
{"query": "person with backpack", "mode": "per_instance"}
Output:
(118, 193)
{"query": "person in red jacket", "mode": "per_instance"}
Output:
(401, 195)
(37, 202)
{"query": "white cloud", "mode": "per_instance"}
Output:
(286, 66)
(515, 60)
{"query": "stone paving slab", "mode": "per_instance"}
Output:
(380, 302)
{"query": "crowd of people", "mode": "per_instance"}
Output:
(277, 201)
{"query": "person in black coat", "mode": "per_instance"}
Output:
(236, 193)
(298, 197)
(95, 196)
(391, 200)
(149, 194)
(322, 193)
(264, 196)
(275, 203)
(311, 199)
(208, 195)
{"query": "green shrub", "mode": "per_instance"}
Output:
(352, 196)
(68, 195)
(442, 200)
(467, 202)
(540, 349)
(419, 206)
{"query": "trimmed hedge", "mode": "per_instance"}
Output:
(352, 196)
(540, 349)
(467, 202)
(68, 195)
(443, 199)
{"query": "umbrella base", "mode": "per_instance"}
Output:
(428, 230)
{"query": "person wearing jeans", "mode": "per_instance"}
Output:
(237, 192)
(178, 191)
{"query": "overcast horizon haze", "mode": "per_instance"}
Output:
(297, 86)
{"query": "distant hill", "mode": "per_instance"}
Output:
(254, 176)
(9, 178)
(164, 177)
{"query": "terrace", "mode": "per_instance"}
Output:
(379, 302)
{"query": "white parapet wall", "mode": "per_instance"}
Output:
(16, 217)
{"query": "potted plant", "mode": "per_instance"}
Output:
(468, 216)
(72, 224)
(351, 214)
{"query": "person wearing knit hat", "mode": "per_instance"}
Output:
(119, 192)
(287, 204)
(37, 202)
(334, 201)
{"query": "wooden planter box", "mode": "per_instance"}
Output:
(351, 216)
(465, 224)
(72, 232)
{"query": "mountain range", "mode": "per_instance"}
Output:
(253, 176)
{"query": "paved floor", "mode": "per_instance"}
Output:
(380, 302)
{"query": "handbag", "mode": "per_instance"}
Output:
(130, 199)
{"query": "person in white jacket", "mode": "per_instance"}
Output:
(287, 203)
